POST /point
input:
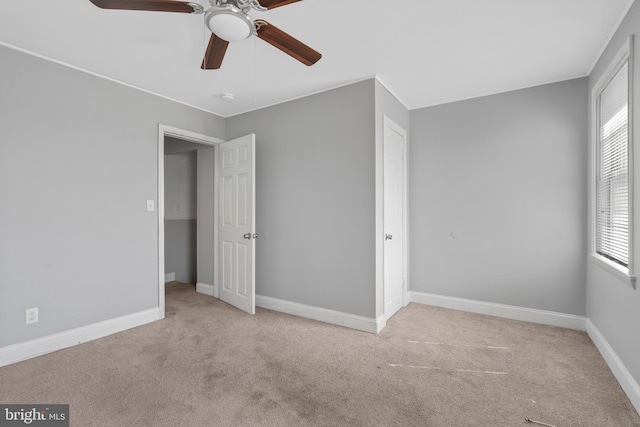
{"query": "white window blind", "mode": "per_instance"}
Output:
(612, 192)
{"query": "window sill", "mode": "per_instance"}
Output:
(618, 271)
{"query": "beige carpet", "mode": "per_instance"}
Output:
(208, 364)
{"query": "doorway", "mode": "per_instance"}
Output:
(225, 217)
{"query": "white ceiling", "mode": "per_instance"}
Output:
(427, 52)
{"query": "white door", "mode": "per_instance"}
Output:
(394, 147)
(237, 223)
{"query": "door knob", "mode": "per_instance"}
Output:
(247, 236)
(388, 236)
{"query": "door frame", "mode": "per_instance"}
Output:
(198, 138)
(387, 122)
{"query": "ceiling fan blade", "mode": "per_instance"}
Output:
(215, 53)
(286, 43)
(272, 4)
(151, 5)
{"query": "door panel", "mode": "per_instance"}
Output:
(237, 228)
(227, 200)
(243, 188)
(226, 265)
(241, 256)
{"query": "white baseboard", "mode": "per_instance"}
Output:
(353, 321)
(39, 346)
(169, 277)
(532, 315)
(624, 377)
(381, 322)
(206, 289)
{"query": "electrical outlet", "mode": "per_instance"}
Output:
(32, 315)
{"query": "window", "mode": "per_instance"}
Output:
(612, 216)
(613, 168)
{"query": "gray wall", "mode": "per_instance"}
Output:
(180, 219)
(75, 237)
(206, 223)
(507, 173)
(386, 105)
(175, 145)
(315, 184)
(180, 249)
(613, 306)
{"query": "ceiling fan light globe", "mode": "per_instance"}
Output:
(229, 24)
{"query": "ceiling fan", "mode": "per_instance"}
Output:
(228, 21)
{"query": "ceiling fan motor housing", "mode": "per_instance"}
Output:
(229, 20)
